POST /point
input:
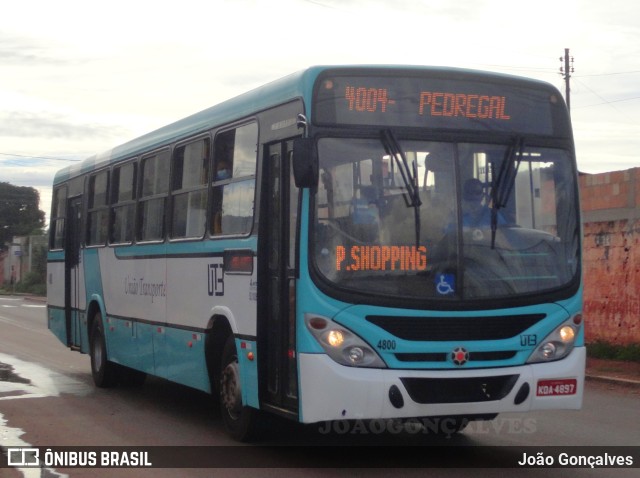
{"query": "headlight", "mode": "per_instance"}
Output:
(558, 343)
(567, 334)
(335, 338)
(341, 344)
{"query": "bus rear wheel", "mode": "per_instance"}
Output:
(239, 421)
(105, 373)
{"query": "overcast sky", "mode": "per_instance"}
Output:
(79, 77)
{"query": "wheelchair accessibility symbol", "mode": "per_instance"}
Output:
(446, 284)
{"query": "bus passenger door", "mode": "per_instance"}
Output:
(72, 277)
(279, 211)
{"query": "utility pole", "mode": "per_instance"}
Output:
(566, 71)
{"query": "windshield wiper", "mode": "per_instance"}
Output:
(409, 175)
(504, 182)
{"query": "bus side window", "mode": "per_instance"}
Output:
(58, 218)
(189, 186)
(153, 196)
(123, 195)
(98, 213)
(235, 154)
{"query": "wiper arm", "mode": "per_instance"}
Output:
(507, 175)
(393, 149)
(503, 185)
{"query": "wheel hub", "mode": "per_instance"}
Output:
(230, 390)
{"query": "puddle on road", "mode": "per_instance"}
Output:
(22, 380)
(29, 380)
(10, 437)
(8, 375)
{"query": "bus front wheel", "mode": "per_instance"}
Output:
(104, 372)
(239, 421)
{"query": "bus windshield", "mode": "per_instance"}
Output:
(491, 220)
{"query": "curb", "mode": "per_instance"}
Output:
(613, 380)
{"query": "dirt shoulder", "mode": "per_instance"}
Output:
(615, 369)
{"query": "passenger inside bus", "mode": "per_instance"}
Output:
(365, 215)
(475, 211)
(223, 171)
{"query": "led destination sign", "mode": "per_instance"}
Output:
(440, 103)
(465, 105)
(432, 103)
(381, 258)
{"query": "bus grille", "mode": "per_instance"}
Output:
(459, 390)
(455, 328)
(442, 357)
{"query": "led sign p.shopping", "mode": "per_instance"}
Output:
(381, 258)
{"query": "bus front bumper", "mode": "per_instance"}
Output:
(330, 391)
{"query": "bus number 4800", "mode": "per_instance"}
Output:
(387, 344)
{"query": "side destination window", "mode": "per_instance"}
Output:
(58, 218)
(123, 195)
(189, 189)
(154, 188)
(98, 212)
(235, 155)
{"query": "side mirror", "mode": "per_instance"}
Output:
(305, 163)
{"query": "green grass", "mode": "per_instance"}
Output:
(605, 350)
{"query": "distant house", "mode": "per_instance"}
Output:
(17, 260)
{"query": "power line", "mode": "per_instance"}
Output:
(604, 100)
(512, 67)
(38, 157)
(610, 74)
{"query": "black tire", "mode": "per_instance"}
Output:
(240, 422)
(105, 373)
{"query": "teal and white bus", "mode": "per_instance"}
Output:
(346, 243)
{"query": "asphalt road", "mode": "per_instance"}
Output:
(47, 399)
